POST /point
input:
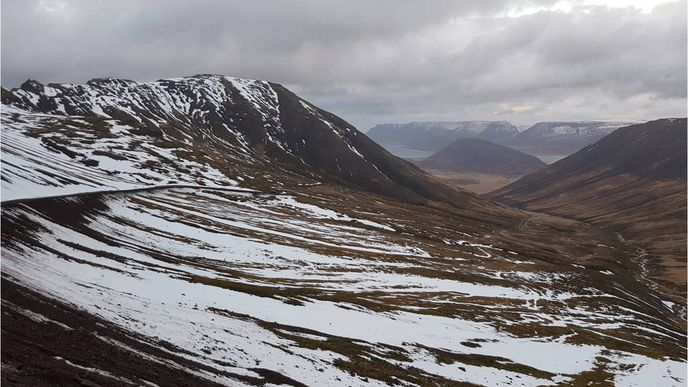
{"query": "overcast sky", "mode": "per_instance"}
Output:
(376, 61)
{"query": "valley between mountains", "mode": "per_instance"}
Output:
(210, 230)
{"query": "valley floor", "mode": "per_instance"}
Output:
(479, 183)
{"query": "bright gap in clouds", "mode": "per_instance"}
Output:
(645, 6)
(457, 60)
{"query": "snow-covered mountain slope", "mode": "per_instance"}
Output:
(563, 137)
(326, 287)
(48, 155)
(209, 123)
(435, 135)
(214, 231)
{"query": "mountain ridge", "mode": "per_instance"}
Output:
(434, 135)
(248, 121)
(562, 137)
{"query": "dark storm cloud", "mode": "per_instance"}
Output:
(374, 61)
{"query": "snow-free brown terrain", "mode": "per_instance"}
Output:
(632, 181)
(234, 234)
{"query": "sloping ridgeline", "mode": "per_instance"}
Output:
(230, 120)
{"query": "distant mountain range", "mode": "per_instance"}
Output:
(633, 180)
(562, 138)
(476, 155)
(435, 135)
(544, 138)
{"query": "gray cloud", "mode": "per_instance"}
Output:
(371, 62)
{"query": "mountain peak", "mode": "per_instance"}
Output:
(476, 155)
(227, 121)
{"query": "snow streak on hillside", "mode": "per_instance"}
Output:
(231, 231)
(38, 162)
(244, 278)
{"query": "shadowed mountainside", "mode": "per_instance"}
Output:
(633, 180)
